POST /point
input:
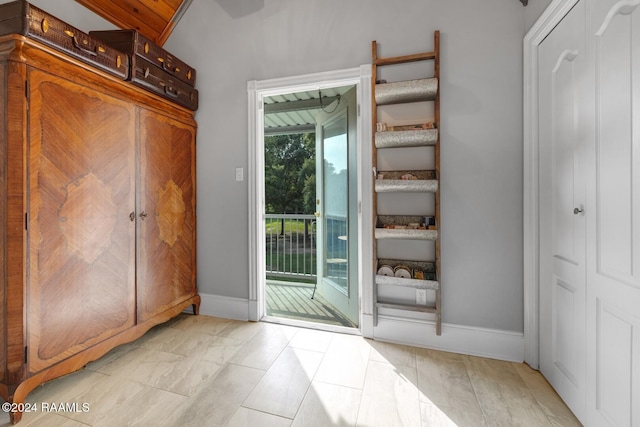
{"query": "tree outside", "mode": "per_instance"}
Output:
(290, 174)
(290, 188)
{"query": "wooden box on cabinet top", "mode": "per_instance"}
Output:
(97, 214)
(20, 17)
(135, 44)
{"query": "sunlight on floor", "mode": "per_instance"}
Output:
(206, 371)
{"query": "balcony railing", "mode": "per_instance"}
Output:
(291, 246)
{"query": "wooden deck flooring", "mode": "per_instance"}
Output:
(293, 301)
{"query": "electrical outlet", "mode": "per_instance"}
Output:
(421, 296)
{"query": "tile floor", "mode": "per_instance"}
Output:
(206, 371)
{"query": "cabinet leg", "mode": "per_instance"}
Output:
(15, 417)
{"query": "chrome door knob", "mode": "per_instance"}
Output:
(576, 211)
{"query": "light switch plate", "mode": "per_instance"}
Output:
(239, 174)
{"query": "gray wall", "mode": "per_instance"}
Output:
(232, 42)
(533, 11)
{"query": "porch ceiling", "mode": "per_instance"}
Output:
(296, 112)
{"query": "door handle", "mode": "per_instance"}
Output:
(577, 211)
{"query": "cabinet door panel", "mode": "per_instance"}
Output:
(167, 255)
(81, 239)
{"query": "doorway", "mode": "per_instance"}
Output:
(310, 209)
(308, 251)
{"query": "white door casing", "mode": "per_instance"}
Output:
(531, 220)
(257, 91)
(562, 60)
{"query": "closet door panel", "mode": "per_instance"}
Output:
(617, 48)
(562, 200)
(81, 239)
(167, 256)
(614, 264)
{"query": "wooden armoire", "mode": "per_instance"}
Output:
(97, 212)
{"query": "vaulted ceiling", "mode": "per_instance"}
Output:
(154, 19)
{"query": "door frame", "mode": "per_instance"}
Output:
(554, 13)
(257, 90)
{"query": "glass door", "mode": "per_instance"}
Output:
(336, 206)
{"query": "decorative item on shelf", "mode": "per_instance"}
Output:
(419, 270)
(406, 91)
(430, 222)
(407, 182)
(402, 271)
(381, 127)
(386, 270)
(422, 126)
(426, 175)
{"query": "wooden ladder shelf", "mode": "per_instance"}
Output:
(424, 275)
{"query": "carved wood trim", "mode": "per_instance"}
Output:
(79, 361)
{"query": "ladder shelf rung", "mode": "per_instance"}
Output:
(407, 283)
(407, 307)
(406, 58)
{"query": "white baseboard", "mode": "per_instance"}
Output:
(470, 340)
(226, 307)
(492, 343)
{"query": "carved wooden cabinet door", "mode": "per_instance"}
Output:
(81, 191)
(167, 221)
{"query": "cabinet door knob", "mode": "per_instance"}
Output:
(143, 215)
(132, 216)
(576, 211)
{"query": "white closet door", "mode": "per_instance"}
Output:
(562, 139)
(613, 214)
